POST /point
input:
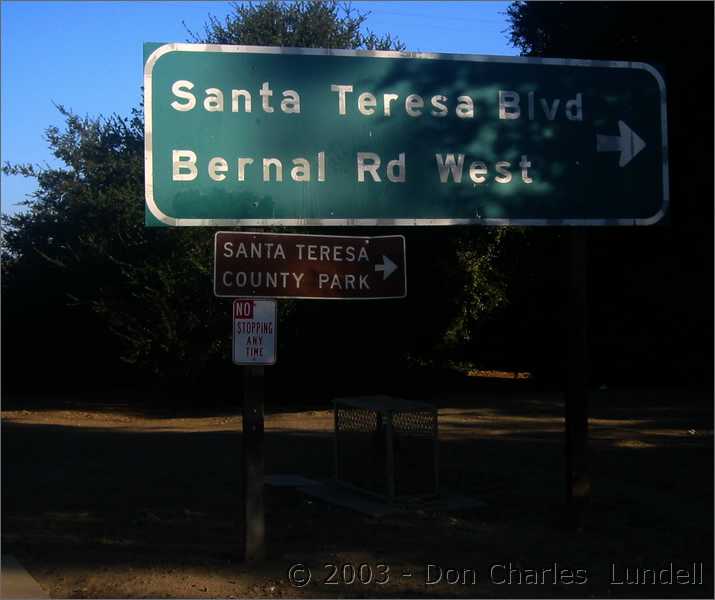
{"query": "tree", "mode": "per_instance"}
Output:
(299, 24)
(81, 256)
(459, 270)
(112, 288)
(651, 299)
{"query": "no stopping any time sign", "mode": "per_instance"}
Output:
(254, 331)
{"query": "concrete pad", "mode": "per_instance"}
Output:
(281, 480)
(450, 501)
(16, 582)
(374, 507)
(330, 492)
(346, 498)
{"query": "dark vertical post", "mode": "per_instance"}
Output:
(578, 482)
(336, 447)
(435, 437)
(389, 456)
(254, 548)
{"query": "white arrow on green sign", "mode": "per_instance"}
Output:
(242, 135)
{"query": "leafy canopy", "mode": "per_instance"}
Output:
(299, 24)
(81, 252)
(80, 248)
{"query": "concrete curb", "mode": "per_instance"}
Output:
(16, 582)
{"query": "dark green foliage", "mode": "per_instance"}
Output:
(301, 24)
(82, 252)
(84, 282)
(651, 290)
(86, 287)
(66, 249)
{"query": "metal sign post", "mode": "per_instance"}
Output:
(253, 514)
(254, 342)
(578, 482)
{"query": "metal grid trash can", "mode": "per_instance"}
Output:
(387, 447)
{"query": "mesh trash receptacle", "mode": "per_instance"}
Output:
(387, 447)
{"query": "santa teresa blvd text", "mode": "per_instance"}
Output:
(369, 166)
(271, 251)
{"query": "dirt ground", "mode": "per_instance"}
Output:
(99, 500)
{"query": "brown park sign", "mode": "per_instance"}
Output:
(275, 265)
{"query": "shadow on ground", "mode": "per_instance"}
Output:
(136, 509)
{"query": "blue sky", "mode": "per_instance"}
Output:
(87, 56)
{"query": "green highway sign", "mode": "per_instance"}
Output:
(244, 135)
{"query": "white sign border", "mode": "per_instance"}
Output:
(184, 47)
